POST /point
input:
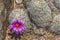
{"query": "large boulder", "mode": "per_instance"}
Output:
(40, 12)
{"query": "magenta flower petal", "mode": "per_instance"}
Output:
(20, 21)
(17, 32)
(21, 28)
(10, 26)
(13, 31)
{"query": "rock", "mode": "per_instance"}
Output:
(40, 12)
(22, 14)
(57, 3)
(56, 25)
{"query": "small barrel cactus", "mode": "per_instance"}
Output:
(23, 17)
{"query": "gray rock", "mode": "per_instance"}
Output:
(57, 3)
(40, 12)
(56, 25)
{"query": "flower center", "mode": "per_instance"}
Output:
(17, 24)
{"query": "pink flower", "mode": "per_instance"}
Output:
(17, 26)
